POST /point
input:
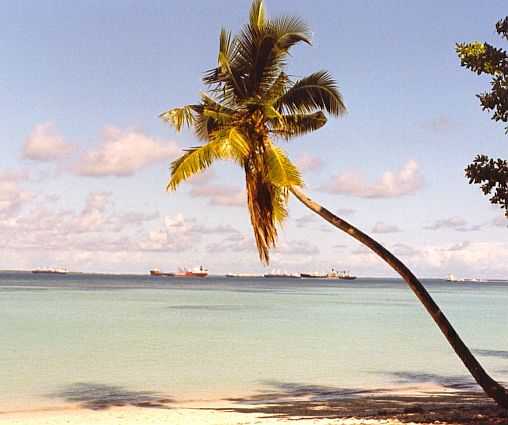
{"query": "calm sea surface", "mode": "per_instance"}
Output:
(64, 338)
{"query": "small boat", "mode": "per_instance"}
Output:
(156, 272)
(51, 271)
(194, 272)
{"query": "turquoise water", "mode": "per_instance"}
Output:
(210, 338)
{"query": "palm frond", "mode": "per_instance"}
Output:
(289, 126)
(258, 60)
(193, 161)
(289, 30)
(231, 143)
(318, 91)
(257, 14)
(262, 202)
(281, 198)
(211, 116)
(216, 110)
(177, 117)
(277, 89)
(281, 171)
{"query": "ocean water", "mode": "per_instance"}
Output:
(80, 338)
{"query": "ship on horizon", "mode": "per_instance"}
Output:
(185, 272)
(51, 271)
(282, 275)
(157, 272)
(332, 274)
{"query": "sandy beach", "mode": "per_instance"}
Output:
(375, 408)
(177, 416)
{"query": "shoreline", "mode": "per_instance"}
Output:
(417, 406)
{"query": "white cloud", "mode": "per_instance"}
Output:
(389, 184)
(382, 227)
(296, 248)
(12, 195)
(122, 153)
(133, 219)
(500, 221)
(226, 196)
(475, 259)
(456, 223)
(459, 246)
(44, 144)
(93, 217)
(307, 162)
(450, 223)
(234, 243)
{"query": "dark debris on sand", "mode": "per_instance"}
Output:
(431, 408)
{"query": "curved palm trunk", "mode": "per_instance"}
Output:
(491, 387)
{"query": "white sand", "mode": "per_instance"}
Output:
(176, 416)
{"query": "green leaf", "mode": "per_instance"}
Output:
(194, 160)
(318, 91)
(177, 117)
(281, 170)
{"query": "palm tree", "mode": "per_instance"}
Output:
(250, 101)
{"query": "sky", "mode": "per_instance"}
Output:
(85, 158)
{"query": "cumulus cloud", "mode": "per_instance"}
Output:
(12, 194)
(500, 221)
(389, 184)
(307, 162)
(123, 153)
(403, 250)
(134, 219)
(474, 259)
(440, 124)
(234, 243)
(93, 217)
(459, 246)
(449, 223)
(226, 196)
(44, 144)
(179, 233)
(382, 227)
(456, 223)
(296, 248)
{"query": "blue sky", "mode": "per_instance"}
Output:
(85, 157)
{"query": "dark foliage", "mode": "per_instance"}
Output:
(483, 58)
(493, 177)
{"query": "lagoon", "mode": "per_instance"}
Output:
(64, 338)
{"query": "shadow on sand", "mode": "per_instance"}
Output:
(286, 400)
(99, 397)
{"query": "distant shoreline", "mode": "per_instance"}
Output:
(70, 272)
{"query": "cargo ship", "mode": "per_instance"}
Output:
(51, 271)
(156, 272)
(194, 272)
(334, 274)
(314, 275)
(277, 274)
